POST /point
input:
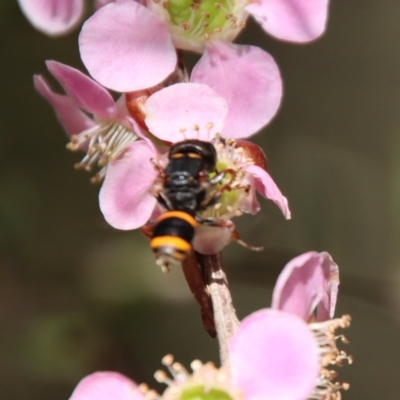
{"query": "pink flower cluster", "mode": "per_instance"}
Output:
(129, 46)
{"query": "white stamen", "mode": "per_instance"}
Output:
(105, 142)
(324, 332)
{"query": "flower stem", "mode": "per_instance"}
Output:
(226, 321)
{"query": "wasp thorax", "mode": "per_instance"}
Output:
(198, 21)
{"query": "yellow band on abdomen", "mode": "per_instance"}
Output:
(178, 214)
(171, 241)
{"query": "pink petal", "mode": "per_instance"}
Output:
(250, 204)
(274, 355)
(53, 17)
(106, 386)
(292, 20)
(267, 188)
(125, 197)
(326, 307)
(126, 47)
(87, 93)
(300, 286)
(72, 119)
(210, 239)
(185, 111)
(248, 79)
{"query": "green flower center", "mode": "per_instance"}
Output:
(200, 393)
(228, 198)
(202, 17)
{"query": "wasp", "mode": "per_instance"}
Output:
(184, 189)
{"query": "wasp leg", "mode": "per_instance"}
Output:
(147, 230)
(216, 194)
(236, 237)
(164, 201)
(158, 193)
(158, 167)
(222, 223)
(221, 175)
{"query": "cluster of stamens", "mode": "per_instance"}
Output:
(103, 143)
(204, 377)
(330, 355)
(231, 157)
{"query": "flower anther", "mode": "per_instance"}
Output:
(104, 142)
(330, 355)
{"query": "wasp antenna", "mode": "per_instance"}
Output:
(238, 240)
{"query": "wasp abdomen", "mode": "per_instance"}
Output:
(173, 234)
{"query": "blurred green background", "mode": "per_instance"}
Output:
(77, 296)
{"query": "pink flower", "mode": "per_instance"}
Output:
(291, 20)
(104, 134)
(53, 17)
(278, 345)
(274, 355)
(106, 386)
(56, 17)
(126, 46)
(175, 113)
(193, 25)
(307, 285)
